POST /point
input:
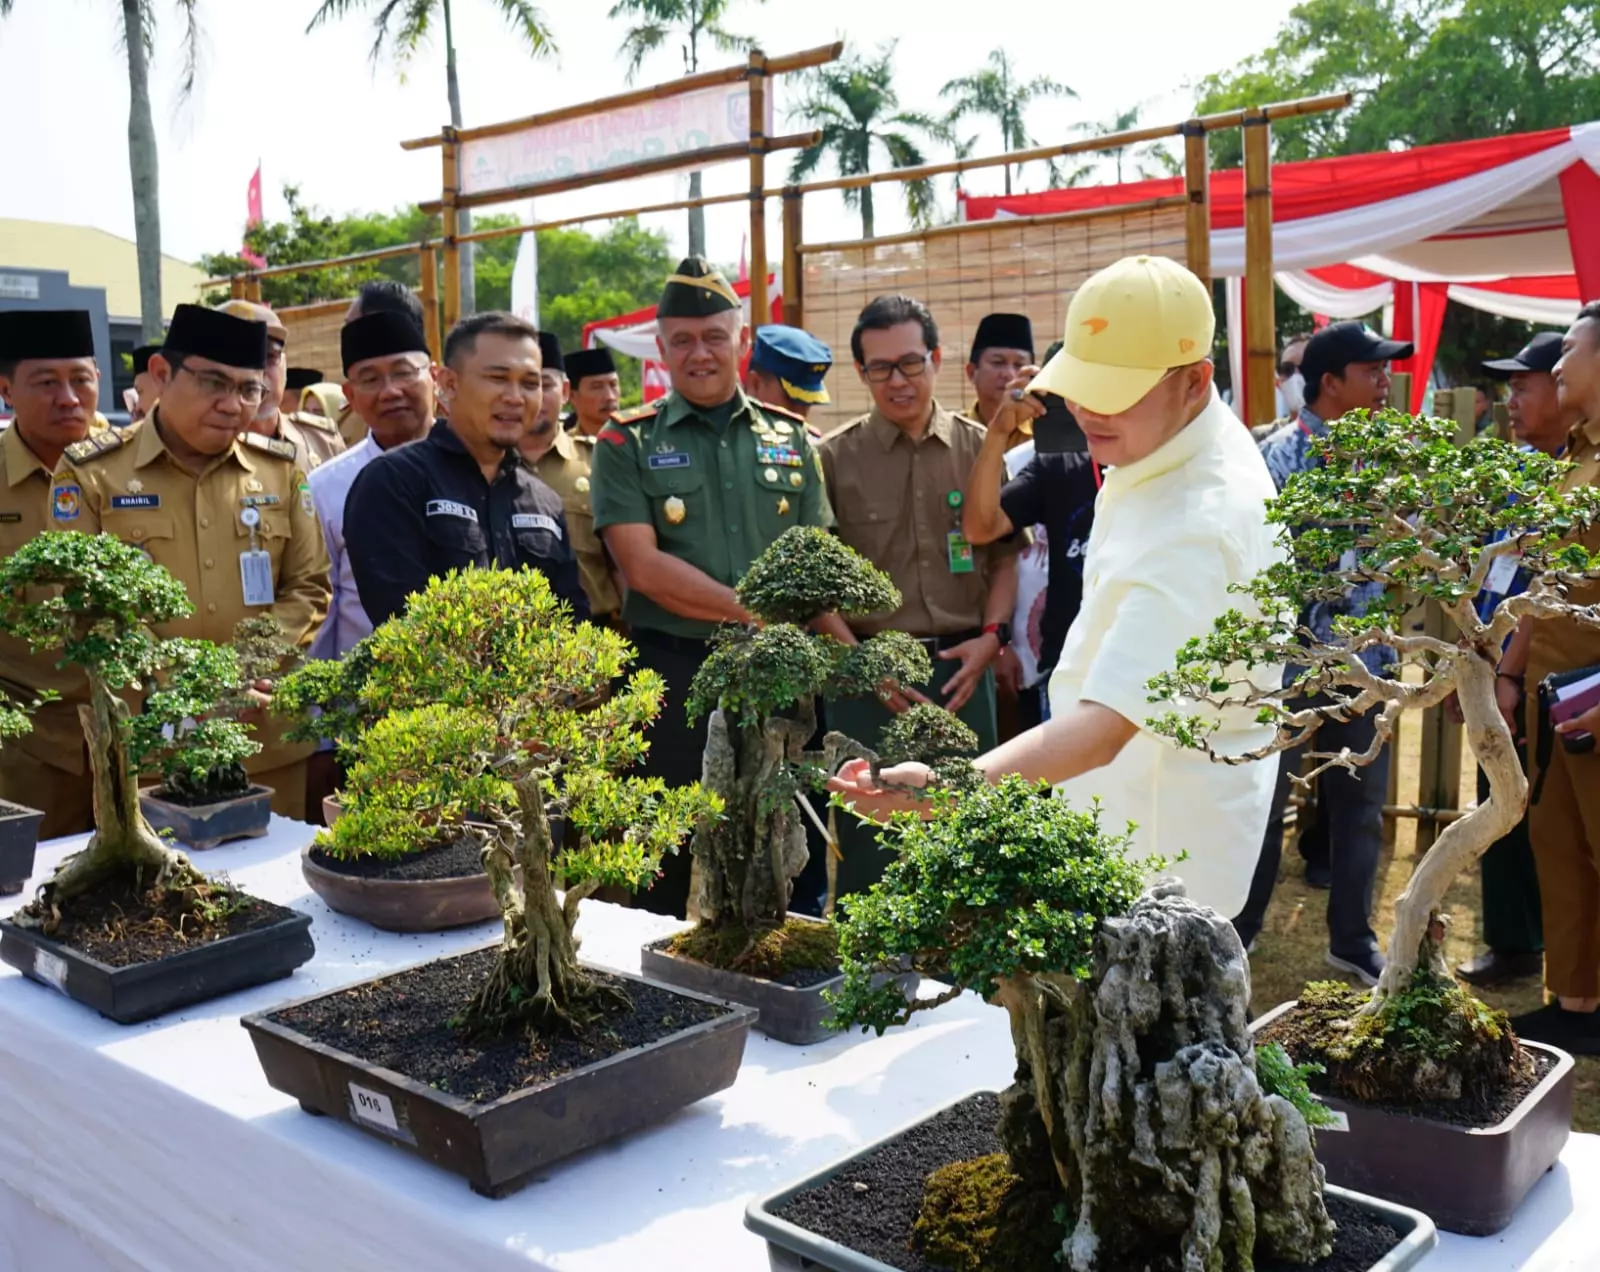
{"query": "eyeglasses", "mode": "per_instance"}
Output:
(1286, 369)
(402, 377)
(910, 366)
(249, 392)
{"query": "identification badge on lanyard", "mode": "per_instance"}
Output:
(1502, 574)
(960, 550)
(255, 564)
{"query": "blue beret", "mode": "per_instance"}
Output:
(796, 357)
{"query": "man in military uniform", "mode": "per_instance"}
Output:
(787, 366)
(315, 438)
(687, 493)
(460, 497)
(895, 478)
(48, 374)
(594, 387)
(226, 511)
(562, 461)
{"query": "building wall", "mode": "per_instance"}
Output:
(95, 258)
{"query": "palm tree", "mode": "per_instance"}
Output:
(138, 38)
(995, 93)
(414, 21)
(1152, 159)
(854, 104)
(695, 22)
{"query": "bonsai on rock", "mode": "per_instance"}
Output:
(1137, 1119)
(1396, 502)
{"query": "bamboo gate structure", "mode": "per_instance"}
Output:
(962, 270)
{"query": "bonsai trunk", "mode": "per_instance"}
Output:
(123, 842)
(536, 980)
(1413, 942)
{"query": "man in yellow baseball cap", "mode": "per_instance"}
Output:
(1180, 518)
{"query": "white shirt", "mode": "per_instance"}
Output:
(1171, 533)
(330, 484)
(1033, 577)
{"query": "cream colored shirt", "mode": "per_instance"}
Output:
(1171, 533)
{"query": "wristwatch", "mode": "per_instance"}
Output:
(1001, 632)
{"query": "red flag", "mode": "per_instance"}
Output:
(253, 217)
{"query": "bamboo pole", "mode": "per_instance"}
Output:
(675, 205)
(819, 56)
(794, 285)
(428, 271)
(236, 287)
(760, 313)
(1197, 183)
(448, 203)
(1009, 223)
(252, 288)
(1260, 318)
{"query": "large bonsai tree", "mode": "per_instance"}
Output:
(760, 687)
(487, 684)
(1137, 1114)
(1396, 502)
(95, 599)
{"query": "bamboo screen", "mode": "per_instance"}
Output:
(994, 266)
(314, 336)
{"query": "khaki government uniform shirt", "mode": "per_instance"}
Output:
(316, 439)
(1560, 644)
(716, 497)
(892, 498)
(57, 737)
(128, 485)
(565, 468)
(351, 426)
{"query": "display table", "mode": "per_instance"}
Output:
(160, 1146)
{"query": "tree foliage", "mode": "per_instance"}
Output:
(996, 93)
(322, 699)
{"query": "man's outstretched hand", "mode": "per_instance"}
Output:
(854, 782)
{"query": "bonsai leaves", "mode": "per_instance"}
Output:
(806, 573)
(189, 728)
(322, 698)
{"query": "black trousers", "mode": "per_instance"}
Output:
(1512, 920)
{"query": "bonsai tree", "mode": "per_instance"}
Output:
(760, 687)
(516, 722)
(1138, 1132)
(321, 698)
(1397, 502)
(94, 599)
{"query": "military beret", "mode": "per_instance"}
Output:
(219, 337)
(45, 333)
(696, 290)
(596, 361)
(796, 357)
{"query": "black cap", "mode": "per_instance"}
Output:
(45, 333)
(219, 337)
(1539, 354)
(550, 351)
(379, 334)
(582, 362)
(1339, 344)
(1002, 331)
(141, 358)
(301, 378)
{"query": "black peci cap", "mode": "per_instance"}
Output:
(1002, 331)
(45, 333)
(550, 351)
(1539, 354)
(141, 357)
(301, 378)
(381, 334)
(219, 337)
(582, 362)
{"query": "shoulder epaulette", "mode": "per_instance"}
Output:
(271, 445)
(784, 411)
(305, 419)
(636, 415)
(96, 444)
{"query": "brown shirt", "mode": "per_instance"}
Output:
(57, 737)
(191, 525)
(316, 439)
(565, 469)
(892, 499)
(351, 426)
(1563, 644)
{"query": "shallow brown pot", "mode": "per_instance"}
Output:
(403, 905)
(1468, 1180)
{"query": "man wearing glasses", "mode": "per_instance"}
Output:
(226, 511)
(895, 478)
(315, 438)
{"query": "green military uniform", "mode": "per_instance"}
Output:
(717, 485)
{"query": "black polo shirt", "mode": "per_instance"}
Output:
(1056, 490)
(417, 512)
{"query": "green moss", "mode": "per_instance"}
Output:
(799, 945)
(1279, 1075)
(979, 1216)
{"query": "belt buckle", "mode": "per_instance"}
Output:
(931, 642)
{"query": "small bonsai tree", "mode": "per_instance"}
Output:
(321, 699)
(760, 687)
(94, 599)
(1396, 502)
(491, 699)
(1137, 1117)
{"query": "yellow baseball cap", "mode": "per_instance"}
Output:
(250, 311)
(1127, 326)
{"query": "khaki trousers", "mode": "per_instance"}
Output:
(1565, 829)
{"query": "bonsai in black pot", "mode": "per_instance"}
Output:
(127, 901)
(19, 825)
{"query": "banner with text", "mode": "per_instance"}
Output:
(701, 120)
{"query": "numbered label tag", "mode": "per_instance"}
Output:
(961, 561)
(374, 1109)
(255, 569)
(1502, 574)
(51, 969)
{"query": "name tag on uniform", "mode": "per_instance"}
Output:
(255, 571)
(450, 508)
(136, 501)
(672, 459)
(535, 521)
(10, 518)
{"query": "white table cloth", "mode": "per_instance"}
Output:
(161, 1147)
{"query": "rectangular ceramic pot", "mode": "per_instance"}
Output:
(500, 1145)
(202, 826)
(788, 1014)
(19, 836)
(128, 995)
(1469, 1180)
(793, 1249)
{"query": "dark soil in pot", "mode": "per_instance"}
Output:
(403, 1023)
(457, 860)
(800, 954)
(168, 796)
(117, 925)
(871, 1206)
